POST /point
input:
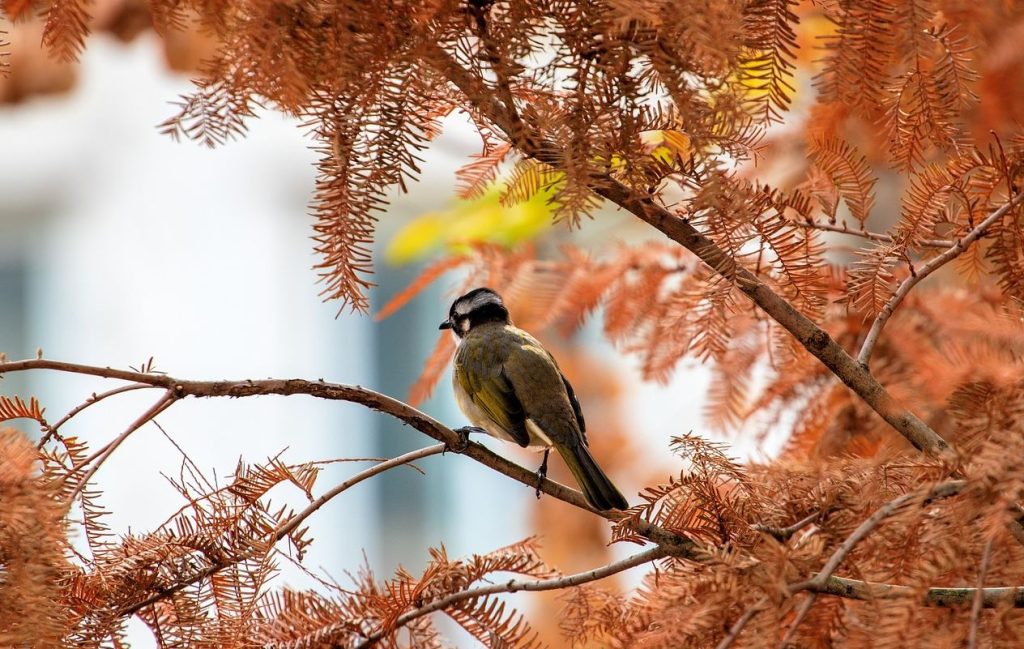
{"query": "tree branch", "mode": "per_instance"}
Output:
(939, 597)
(515, 585)
(641, 205)
(972, 636)
(99, 457)
(676, 544)
(92, 400)
(873, 236)
(933, 265)
(784, 533)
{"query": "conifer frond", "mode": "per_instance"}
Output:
(849, 172)
(475, 176)
(66, 27)
(252, 481)
(433, 369)
(768, 67)
(16, 408)
(858, 54)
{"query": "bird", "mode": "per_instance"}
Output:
(510, 386)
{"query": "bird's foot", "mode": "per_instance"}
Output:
(463, 434)
(542, 472)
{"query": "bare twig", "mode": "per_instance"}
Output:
(873, 236)
(972, 637)
(805, 608)
(99, 457)
(92, 400)
(924, 271)
(286, 527)
(515, 585)
(784, 533)
(738, 625)
(640, 204)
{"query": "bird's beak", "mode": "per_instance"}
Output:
(447, 324)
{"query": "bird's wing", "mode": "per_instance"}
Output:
(575, 407)
(493, 393)
(532, 371)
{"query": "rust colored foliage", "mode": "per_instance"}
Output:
(852, 271)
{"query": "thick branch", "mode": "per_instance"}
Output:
(641, 205)
(933, 265)
(515, 585)
(405, 413)
(940, 597)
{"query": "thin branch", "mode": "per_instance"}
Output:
(286, 527)
(99, 457)
(972, 637)
(515, 585)
(738, 625)
(813, 338)
(919, 274)
(784, 533)
(805, 608)
(92, 400)
(873, 236)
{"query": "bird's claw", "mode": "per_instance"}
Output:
(463, 442)
(542, 472)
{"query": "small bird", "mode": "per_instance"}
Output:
(507, 384)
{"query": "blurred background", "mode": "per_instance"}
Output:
(118, 244)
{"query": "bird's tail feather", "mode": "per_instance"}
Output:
(596, 486)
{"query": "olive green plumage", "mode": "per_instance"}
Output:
(509, 385)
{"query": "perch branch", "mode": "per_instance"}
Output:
(515, 585)
(933, 265)
(813, 338)
(676, 544)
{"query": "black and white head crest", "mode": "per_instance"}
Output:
(476, 307)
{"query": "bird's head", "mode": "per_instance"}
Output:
(475, 308)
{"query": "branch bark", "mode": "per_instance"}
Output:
(855, 375)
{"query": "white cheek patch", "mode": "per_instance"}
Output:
(464, 325)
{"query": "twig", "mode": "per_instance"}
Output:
(933, 265)
(972, 637)
(515, 585)
(677, 544)
(738, 625)
(784, 533)
(873, 236)
(641, 205)
(99, 457)
(287, 527)
(805, 608)
(94, 399)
